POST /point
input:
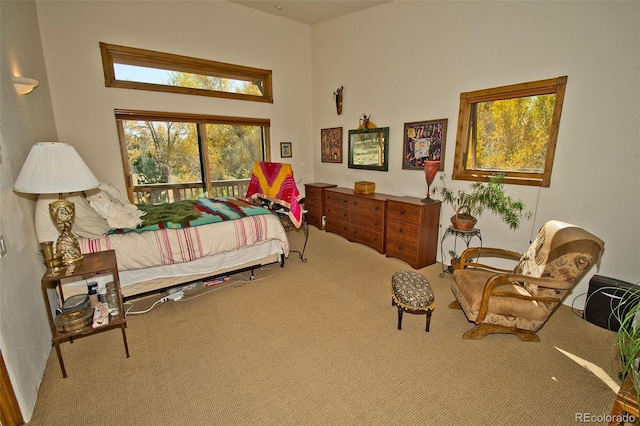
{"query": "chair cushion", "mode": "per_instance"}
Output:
(468, 287)
(411, 290)
(560, 251)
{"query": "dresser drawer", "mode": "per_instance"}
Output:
(337, 213)
(314, 212)
(312, 193)
(373, 223)
(314, 219)
(312, 204)
(402, 231)
(338, 227)
(336, 199)
(403, 212)
(404, 250)
(375, 240)
(370, 207)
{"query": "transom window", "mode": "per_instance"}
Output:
(510, 130)
(132, 68)
(169, 156)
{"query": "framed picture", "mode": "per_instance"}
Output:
(424, 140)
(331, 145)
(285, 149)
(368, 149)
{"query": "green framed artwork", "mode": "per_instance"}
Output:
(368, 149)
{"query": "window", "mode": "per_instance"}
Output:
(131, 68)
(169, 156)
(510, 130)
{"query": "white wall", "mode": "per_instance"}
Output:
(215, 30)
(25, 338)
(410, 60)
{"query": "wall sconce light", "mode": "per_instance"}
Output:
(24, 85)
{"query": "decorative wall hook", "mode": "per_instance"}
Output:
(338, 97)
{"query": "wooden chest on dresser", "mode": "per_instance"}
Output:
(357, 217)
(314, 202)
(412, 230)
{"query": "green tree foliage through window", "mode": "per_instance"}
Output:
(233, 149)
(162, 152)
(509, 130)
(217, 84)
(512, 134)
(140, 69)
(176, 152)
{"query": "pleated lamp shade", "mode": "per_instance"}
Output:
(54, 168)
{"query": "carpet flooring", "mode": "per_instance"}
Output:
(316, 343)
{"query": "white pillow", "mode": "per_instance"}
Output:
(117, 210)
(111, 189)
(88, 223)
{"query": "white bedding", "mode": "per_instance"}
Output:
(170, 246)
(190, 251)
(153, 260)
(139, 281)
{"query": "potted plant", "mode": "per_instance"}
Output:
(628, 337)
(455, 260)
(468, 206)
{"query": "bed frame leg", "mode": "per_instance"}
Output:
(252, 277)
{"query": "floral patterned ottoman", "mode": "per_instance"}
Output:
(411, 292)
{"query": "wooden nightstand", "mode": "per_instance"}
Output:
(92, 264)
(314, 202)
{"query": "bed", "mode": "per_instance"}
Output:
(230, 234)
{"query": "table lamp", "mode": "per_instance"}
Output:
(56, 168)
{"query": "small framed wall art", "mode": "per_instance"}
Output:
(424, 140)
(285, 149)
(331, 145)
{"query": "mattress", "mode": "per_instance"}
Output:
(181, 255)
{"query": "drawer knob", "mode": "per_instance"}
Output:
(401, 211)
(401, 230)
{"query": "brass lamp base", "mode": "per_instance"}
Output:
(62, 213)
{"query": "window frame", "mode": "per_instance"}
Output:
(115, 54)
(468, 99)
(201, 120)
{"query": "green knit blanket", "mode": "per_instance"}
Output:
(180, 212)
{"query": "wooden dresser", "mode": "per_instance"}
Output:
(401, 227)
(357, 217)
(314, 202)
(412, 230)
